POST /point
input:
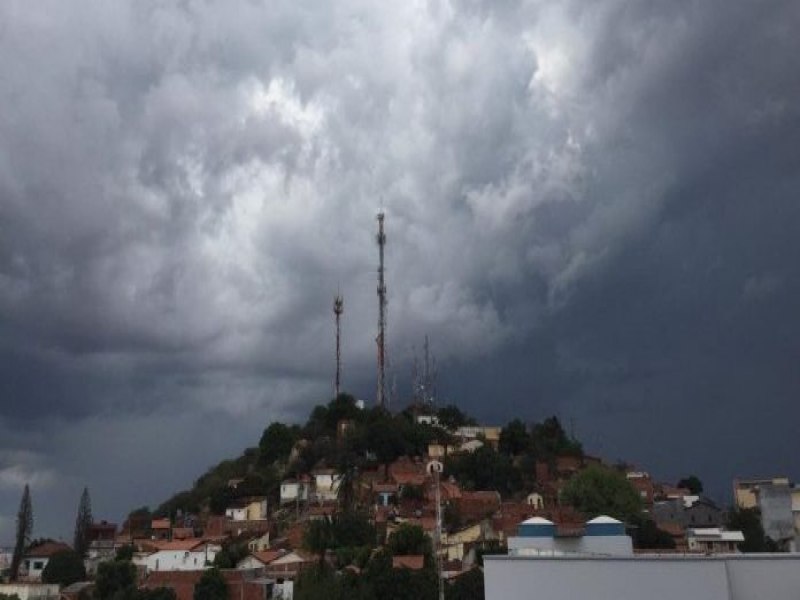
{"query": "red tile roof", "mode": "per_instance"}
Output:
(415, 562)
(267, 556)
(47, 549)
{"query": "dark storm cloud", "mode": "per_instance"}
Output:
(591, 209)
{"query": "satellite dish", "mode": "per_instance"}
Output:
(434, 467)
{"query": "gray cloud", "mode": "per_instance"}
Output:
(591, 210)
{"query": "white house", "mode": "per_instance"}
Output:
(259, 544)
(248, 509)
(294, 491)
(326, 484)
(713, 540)
(36, 559)
(259, 560)
(181, 555)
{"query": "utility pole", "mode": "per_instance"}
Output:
(338, 309)
(380, 397)
(435, 468)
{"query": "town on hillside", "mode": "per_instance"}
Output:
(362, 503)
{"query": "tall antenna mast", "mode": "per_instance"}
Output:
(338, 309)
(380, 398)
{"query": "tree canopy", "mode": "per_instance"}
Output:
(65, 567)
(83, 522)
(211, 586)
(115, 579)
(601, 491)
(691, 483)
(24, 532)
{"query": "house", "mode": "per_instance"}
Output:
(490, 435)
(290, 564)
(160, 529)
(713, 540)
(776, 498)
(293, 490)
(473, 506)
(260, 560)
(385, 494)
(103, 530)
(745, 490)
(326, 484)
(458, 543)
(259, 543)
(252, 508)
(643, 484)
(438, 451)
(36, 559)
(177, 555)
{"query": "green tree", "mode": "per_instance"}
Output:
(409, 539)
(748, 521)
(230, 555)
(65, 567)
(548, 439)
(318, 537)
(600, 491)
(485, 469)
(276, 443)
(211, 586)
(115, 579)
(124, 552)
(468, 586)
(83, 523)
(451, 417)
(648, 536)
(691, 483)
(514, 438)
(24, 531)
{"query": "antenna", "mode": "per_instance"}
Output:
(338, 309)
(380, 398)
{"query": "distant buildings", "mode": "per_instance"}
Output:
(778, 501)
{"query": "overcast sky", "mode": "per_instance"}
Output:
(592, 210)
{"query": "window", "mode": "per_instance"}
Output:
(38, 565)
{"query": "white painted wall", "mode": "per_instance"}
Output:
(742, 577)
(176, 560)
(30, 591)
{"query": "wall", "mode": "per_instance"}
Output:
(618, 545)
(28, 591)
(744, 577)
